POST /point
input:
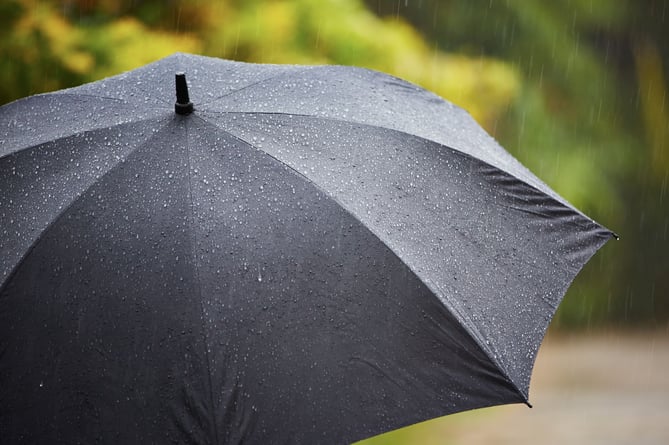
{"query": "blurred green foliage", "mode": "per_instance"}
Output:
(575, 89)
(53, 44)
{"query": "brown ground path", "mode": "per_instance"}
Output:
(608, 389)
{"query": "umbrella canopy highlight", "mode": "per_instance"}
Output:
(300, 255)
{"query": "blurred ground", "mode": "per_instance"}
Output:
(608, 389)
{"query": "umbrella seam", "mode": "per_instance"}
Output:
(73, 94)
(477, 337)
(58, 93)
(368, 124)
(336, 68)
(196, 272)
(245, 87)
(73, 134)
(70, 93)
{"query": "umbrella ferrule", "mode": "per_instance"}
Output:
(183, 105)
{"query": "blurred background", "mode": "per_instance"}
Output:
(575, 89)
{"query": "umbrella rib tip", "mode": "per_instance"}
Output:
(183, 105)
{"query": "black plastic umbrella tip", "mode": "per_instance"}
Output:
(183, 105)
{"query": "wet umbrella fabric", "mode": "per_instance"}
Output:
(302, 255)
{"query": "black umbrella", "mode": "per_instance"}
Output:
(307, 255)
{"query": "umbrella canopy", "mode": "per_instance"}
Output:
(299, 255)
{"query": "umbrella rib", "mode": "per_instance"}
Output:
(245, 87)
(476, 336)
(75, 133)
(59, 93)
(365, 124)
(474, 333)
(133, 86)
(196, 272)
(115, 99)
(297, 172)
